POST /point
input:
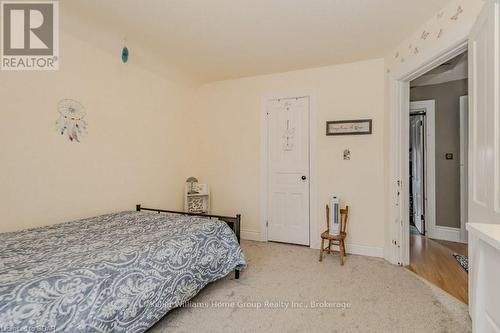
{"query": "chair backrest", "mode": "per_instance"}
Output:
(344, 213)
(327, 218)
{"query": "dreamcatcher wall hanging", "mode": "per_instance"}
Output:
(71, 120)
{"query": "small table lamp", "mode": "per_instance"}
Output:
(192, 181)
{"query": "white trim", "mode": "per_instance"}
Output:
(464, 144)
(363, 250)
(430, 163)
(429, 58)
(446, 233)
(250, 235)
(399, 82)
(404, 165)
(391, 248)
(264, 126)
(264, 158)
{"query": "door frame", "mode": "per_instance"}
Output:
(264, 163)
(399, 104)
(429, 164)
(464, 172)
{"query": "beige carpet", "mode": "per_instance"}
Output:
(365, 295)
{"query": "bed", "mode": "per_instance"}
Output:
(119, 272)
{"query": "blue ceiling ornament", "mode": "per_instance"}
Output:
(124, 54)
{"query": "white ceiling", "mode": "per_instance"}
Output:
(222, 39)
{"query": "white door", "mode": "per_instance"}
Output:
(484, 117)
(484, 161)
(288, 170)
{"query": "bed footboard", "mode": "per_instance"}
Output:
(233, 222)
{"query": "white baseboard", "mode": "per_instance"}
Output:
(445, 233)
(250, 235)
(363, 250)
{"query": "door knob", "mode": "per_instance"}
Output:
(303, 177)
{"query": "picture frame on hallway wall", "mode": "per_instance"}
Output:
(349, 127)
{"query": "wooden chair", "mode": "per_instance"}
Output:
(338, 240)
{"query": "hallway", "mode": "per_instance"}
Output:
(433, 260)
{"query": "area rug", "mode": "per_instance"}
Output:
(462, 260)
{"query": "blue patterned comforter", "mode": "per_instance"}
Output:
(113, 273)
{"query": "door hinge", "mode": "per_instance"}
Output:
(267, 224)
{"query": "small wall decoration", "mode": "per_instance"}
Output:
(124, 54)
(125, 51)
(349, 127)
(347, 154)
(288, 137)
(71, 120)
(457, 13)
(444, 21)
(289, 130)
(440, 33)
(424, 35)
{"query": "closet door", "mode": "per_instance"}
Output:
(288, 170)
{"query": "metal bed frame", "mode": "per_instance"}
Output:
(233, 222)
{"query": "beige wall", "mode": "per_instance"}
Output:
(135, 150)
(149, 130)
(447, 97)
(228, 122)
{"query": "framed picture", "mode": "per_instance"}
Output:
(349, 127)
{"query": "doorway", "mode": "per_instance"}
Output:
(438, 150)
(288, 170)
(437, 179)
(483, 152)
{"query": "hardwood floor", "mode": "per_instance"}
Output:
(453, 246)
(433, 260)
